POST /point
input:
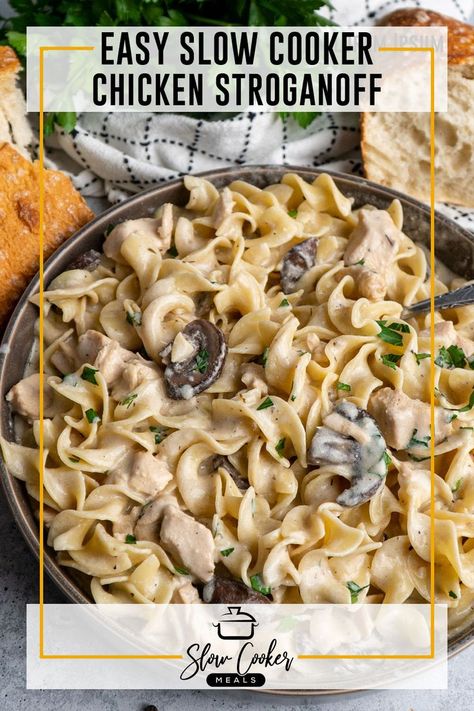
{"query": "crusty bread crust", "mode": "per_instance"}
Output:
(9, 62)
(64, 212)
(460, 34)
(461, 68)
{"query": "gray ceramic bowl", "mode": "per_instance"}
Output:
(454, 246)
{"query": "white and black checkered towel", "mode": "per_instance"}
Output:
(123, 153)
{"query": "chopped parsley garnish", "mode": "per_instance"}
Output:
(108, 230)
(227, 551)
(129, 399)
(420, 356)
(457, 485)
(202, 360)
(418, 459)
(257, 584)
(391, 360)
(391, 333)
(470, 404)
(181, 571)
(262, 359)
(354, 590)
(453, 417)
(415, 442)
(280, 446)
(360, 263)
(343, 386)
(74, 460)
(402, 327)
(130, 539)
(92, 416)
(453, 595)
(292, 213)
(387, 458)
(89, 374)
(293, 398)
(268, 402)
(135, 318)
(466, 428)
(172, 252)
(283, 302)
(160, 434)
(451, 357)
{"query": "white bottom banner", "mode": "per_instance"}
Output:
(302, 647)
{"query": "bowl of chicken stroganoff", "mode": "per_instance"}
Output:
(235, 408)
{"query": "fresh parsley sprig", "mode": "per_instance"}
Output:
(258, 585)
(391, 360)
(417, 441)
(452, 357)
(420, 356)
(202, 360)
(268, 402)
(157, 13)
(392, 333)
(355, 590)
(226, 552)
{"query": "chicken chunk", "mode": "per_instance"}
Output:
(104, 354)
(150, 474)
(186, 594)
(147, 526)
(446, 335)
(405, 423)
(372, 247)
(24, 398)
(147, 474)
(188, 542)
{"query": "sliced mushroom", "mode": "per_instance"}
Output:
(296, 262)
(191, 376)
(351, 439)
(329, 447)
(226, 591)
(90, 260)
(203, 302)
(219, 460)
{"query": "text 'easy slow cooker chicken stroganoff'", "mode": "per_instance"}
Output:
(235, 410)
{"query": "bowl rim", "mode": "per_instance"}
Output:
(30, 533)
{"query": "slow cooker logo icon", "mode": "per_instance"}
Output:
(236, 624)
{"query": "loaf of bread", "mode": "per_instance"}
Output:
(64, 212)
(395, 146)
(14, 126)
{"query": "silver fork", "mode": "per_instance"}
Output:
(464, 296)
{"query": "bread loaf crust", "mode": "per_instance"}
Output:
(411, 175)
(9, 62)
(460, 34)
(64, 212)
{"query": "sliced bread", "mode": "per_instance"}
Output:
(395, 146)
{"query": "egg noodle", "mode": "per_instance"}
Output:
(285, 447)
